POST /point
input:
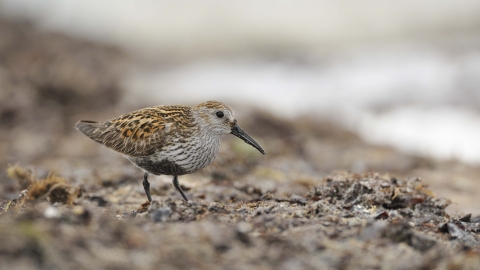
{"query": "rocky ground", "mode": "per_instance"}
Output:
(320, 199)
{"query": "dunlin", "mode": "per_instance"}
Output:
(171, 140)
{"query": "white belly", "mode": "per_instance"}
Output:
(177, 160)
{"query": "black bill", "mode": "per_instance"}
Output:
(237, 131)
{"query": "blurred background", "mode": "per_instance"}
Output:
(330, 85)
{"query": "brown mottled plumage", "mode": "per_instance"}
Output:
(171, 140)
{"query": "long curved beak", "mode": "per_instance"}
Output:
(237, 131)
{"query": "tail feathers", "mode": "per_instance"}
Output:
(92, 129)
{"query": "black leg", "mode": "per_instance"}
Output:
(146, 186)
(177, 186)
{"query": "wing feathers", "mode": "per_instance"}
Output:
(141, 132)
(133, 142)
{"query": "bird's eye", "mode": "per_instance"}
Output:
(219, 114)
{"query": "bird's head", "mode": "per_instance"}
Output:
(219, 119)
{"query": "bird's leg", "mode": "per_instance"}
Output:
(146, 186)
(177, 186)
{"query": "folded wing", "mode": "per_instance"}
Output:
(136, 134)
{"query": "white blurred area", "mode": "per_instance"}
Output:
(404, 73)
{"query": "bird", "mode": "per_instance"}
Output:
(168, 139)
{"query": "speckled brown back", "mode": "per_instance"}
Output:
(141, 132)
